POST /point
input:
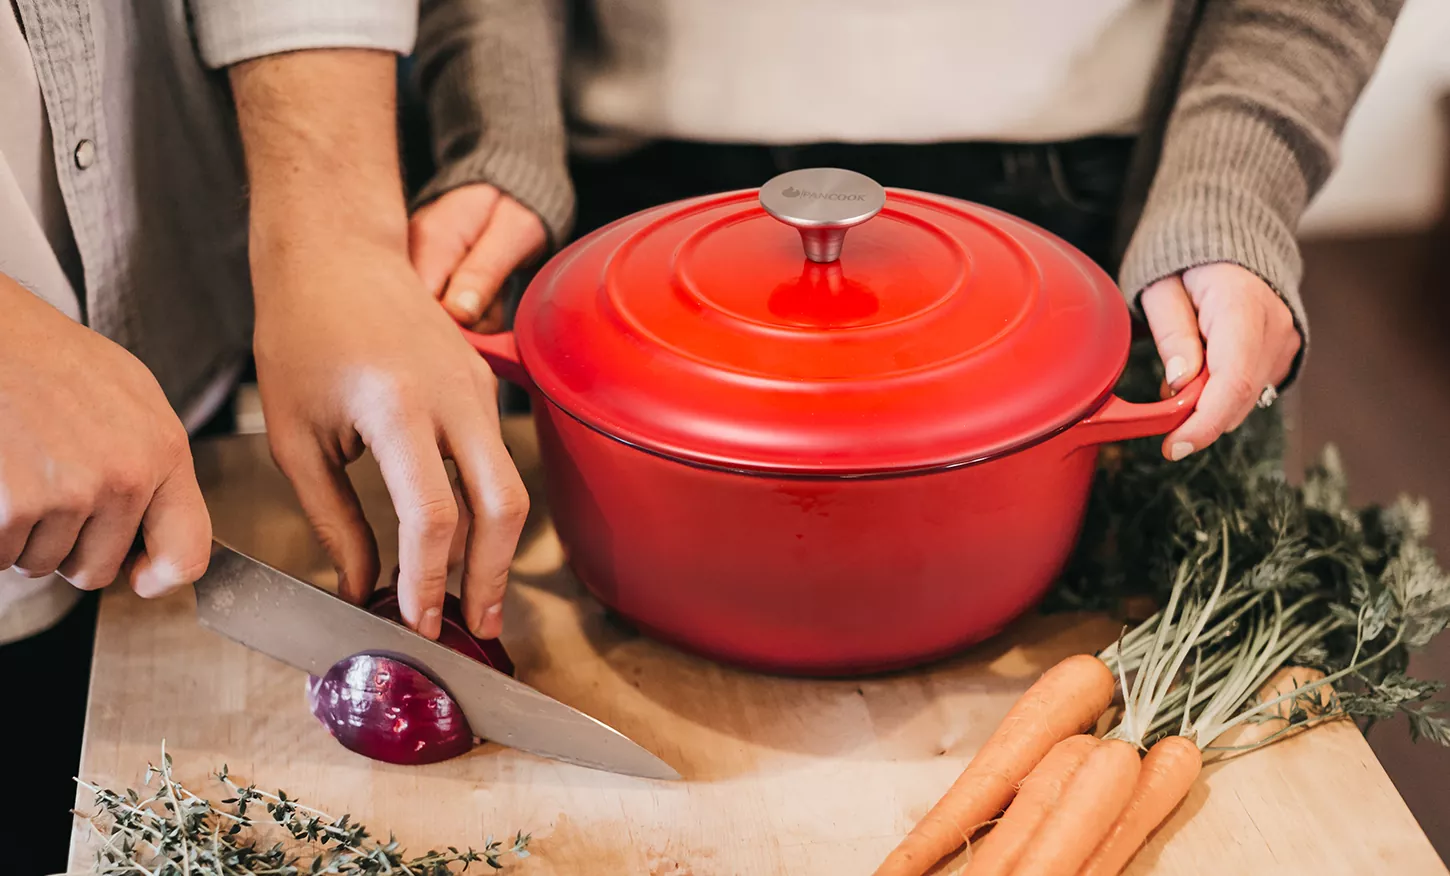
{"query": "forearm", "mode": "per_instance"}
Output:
(1266, 91)
(319, 130)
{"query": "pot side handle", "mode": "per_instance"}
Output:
(1119, 420)
(501, 352)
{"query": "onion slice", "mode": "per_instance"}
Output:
(384, 709)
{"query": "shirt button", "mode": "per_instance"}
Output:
(85, 154)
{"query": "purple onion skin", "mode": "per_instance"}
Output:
(384, 709)
(454, 635)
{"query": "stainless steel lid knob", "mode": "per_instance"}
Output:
(822, 203)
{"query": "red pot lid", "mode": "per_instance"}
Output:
(935, 332)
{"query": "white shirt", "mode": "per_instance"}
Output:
(803, 71)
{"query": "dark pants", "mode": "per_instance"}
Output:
(1071, 189)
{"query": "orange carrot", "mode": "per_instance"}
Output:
(1065, 701)
(1093, 799)
(996, 854)
(1168, 772)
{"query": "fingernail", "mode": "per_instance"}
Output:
(158, 578)
(1179, 450)
(432, 623)
(468, 302)
(491, 623)
(1175, 370)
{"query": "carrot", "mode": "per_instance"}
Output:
(1068, 699)
(1094, 798)
(1169, 770)
(998, 852)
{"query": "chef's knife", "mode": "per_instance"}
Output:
(304, 626)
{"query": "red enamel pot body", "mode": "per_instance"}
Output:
(822, 427)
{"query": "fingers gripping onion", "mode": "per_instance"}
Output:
(455, 632)
(382, 708)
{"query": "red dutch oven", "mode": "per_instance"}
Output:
(789, 448)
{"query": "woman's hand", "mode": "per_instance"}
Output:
(465, 245)
(1251, 343)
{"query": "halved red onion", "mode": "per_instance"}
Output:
(384, 709)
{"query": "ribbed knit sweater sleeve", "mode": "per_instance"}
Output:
(490, 72)
(1265, 92)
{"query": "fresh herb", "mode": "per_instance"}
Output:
(1255, 574)
(171, 831)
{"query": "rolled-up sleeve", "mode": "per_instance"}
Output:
(231, 31)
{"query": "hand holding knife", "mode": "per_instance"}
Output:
(306, 627)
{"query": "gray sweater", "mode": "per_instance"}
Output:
(1241, 128)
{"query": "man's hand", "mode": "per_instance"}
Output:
(1250, 338)
(465, 245)
(351, 350)
(90, 453)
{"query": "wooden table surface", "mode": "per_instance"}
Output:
(782, 776)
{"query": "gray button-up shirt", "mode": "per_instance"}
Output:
(144, 145)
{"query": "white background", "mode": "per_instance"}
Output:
(1395, 150)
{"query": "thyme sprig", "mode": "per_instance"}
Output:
(170, 831)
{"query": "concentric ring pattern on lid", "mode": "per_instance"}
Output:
(943, 333)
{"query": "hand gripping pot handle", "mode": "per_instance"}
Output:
(1119, 420)
(822, 203)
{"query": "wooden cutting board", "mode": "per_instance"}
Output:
(783, 776)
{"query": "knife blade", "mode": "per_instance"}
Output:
(304, 626)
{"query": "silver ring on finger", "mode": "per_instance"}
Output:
(1268, 396)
